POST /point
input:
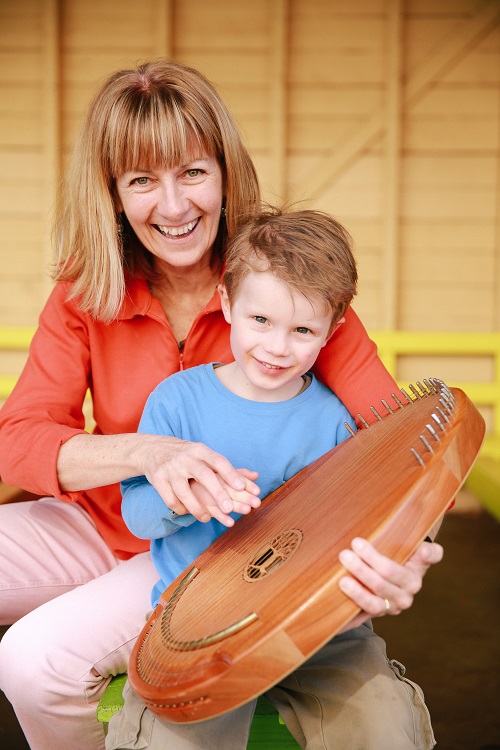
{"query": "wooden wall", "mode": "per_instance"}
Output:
(383, 112)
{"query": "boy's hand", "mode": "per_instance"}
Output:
(243, 500)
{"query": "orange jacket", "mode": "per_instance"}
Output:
(121, 363)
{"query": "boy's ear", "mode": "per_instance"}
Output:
(224, 301)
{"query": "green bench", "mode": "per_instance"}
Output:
(268, 731)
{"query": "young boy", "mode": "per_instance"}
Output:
(288, 280)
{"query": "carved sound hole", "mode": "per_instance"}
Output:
(271, 556)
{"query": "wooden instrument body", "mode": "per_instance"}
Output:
(264, 596)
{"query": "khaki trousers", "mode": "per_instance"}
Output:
(348, 696)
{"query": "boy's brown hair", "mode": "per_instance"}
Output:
(308, 250)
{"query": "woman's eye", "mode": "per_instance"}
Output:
(193, 172)
(140, 181)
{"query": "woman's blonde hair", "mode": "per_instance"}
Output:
(308, 250)
(150, 116)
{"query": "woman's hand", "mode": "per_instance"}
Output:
(192, 478)
(379, 585)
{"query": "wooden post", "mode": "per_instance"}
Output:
(51, 127)
(278, 40)
(163, 29)
(392, 168)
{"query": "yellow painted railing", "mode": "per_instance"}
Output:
(392, 346)
(484, 479)
(13, 339)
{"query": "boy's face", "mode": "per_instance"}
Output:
(276, 334)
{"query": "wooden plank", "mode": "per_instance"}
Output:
(30, 194)
(21, 133)
(461, 234)
(313, 136)
(241, 68)
(472, 309)
(93, 24)
(332, 101)
(455, 101)
(222, 26)
(445, 203)
(329, 66)
(20, 67)
(442, 169)
(361, 9)
(451, 368)
(326, 29)
(458, 8)
(474, 266)
(23, 100)
(345, 202)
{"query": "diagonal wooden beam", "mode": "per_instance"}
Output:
(278, 94)
(464, 38)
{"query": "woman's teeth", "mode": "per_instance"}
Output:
(177, 231)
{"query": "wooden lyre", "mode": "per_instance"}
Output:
(264, 596)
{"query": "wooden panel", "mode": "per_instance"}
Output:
(222, 26)
(461, 234)
(21, 299)
(430, 306)
(451, 369)
(321, 119)
(445, 100)
(477, 170)
(313, 100)
(452, 268)
(443, 202)
(94, 24)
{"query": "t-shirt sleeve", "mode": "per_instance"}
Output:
(145, 513)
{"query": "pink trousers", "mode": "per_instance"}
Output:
(77, 611)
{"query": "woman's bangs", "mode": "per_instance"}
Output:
(157, 138)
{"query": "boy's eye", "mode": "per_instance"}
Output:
(260, 319)
(301, 329)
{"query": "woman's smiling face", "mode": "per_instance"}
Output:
(175, 212)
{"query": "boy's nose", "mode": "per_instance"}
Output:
(277, 343)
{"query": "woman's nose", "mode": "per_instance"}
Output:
(172, 201)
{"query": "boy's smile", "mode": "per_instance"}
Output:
(276, 336)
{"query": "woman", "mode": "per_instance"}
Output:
(158, 181)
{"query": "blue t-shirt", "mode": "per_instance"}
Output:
(276, 439)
